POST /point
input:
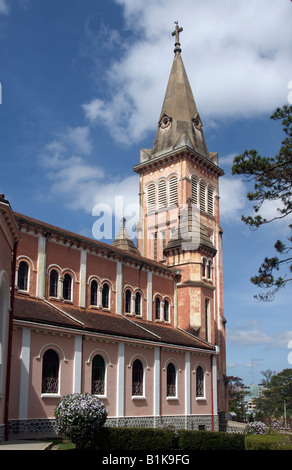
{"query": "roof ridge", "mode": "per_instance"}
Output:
(62, 311)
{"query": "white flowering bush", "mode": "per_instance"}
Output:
(256, 427)
(80, 416)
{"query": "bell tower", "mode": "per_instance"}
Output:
(179, 223)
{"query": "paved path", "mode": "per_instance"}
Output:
(25, 445)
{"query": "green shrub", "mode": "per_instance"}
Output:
(125, 439)
(208, 440)
(148, 439)
(80, 416)
(268, 442)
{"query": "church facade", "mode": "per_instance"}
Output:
(143, 328)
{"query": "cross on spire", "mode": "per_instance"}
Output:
(176, 33)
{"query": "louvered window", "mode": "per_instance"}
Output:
(173, 191)
(194, 191)
(151, 198)
(202, 197)
(162, 200)
(210, 201)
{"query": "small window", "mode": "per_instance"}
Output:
(204, 267)
(54, 280)
(105, 296)
(94, 293)
(138, 304)
(67, 287)
(98, 376)
(157, 308)
(128, 300)
(171, 380)
(23, 276)
(210, 270)
(137, 378)
(50, 375)
(200, 388)
(166, 310)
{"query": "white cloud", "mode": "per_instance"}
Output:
(232, 199)
(3, 7)
(243, 337)
(81, 185)
(237, 58)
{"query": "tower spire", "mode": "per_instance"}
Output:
(176, 33)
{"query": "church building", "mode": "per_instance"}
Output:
(141, 327)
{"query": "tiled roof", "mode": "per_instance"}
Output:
(133, 255)
(96, 321)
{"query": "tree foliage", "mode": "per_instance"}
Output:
(80, 416)
(272, 181)
(278, 389)
(236, 396)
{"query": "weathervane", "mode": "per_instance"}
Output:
(176, 33)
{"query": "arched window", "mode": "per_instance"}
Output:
(200, 386)
(94, 293)
(98, 376)
(137, 378)
(173, 191)
(151, 199)
(171, 381)
(162, 199)
(210, 201)
(105, 296)
(67, 287)
(54, 280)
(194, 190)
(210, 270)
(204, 267)
(22, 282)
(138, 304)
(166, 310)
(128, 301)
(157, 308)
(50, 375)
(202, 196)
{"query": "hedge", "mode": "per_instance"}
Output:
(208, 440)
(148, 439)
(268, 442)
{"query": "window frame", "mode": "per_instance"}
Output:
(201, 395)
(55, 286)
(105, 297)
(100, 357)
(141, 376)
(171, 388)
(56, 375)
(69, 288)
(93, 293)
(27, 274)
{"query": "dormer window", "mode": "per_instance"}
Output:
(165, 121)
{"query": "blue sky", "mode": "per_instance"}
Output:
(82, 84)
